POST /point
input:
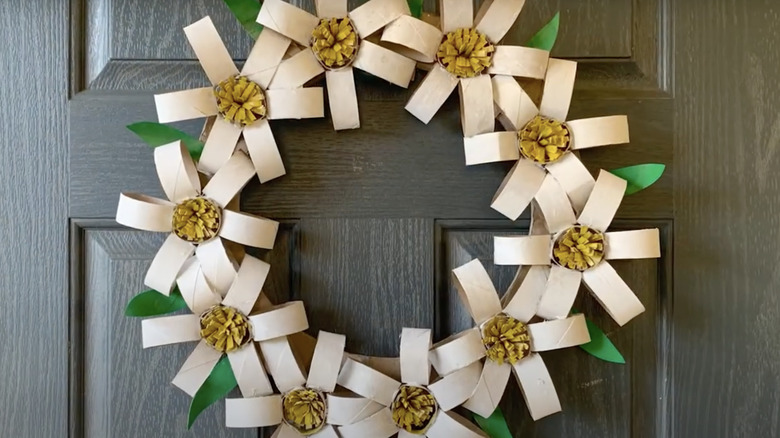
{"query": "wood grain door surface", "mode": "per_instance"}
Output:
(373, 220)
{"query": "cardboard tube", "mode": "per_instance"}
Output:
(368, 382)
(491, 147)
(431, 93)
(245, 289)
(326, 362)
(452, 390)
(349, 408)
(612, 292)
(490, 388)
(210, 50)
(560, 333)
(219, 146)
(384, 63)
(248, 230)
(296, 71)
(230, 179)
(524, 62)
(496, 17)
(598, 131)
(298, 103)
(253, 412)
(635, 244)
(452, 425)
(476, 291)
(522, 250)
(575, 179)
(216, 265)
(555, 205)
(518, 189)
(477, 114)
(537, 387)
(376, 14)
(282, 364)
(560, 291)
(195, 289)
(263, 151)
(166, 264)
(249, 372)
(331, 8)
(379, 425)
(604, 201)
(281, 320)
(413, 38)
(176, 171)
(389, 366)
(185, 105)
(196, 369)
(288, 20)
(457, 351)
(558, 89)
(516, 107)
(170, 330)
(342, 98)
(415, 344)
(266, 54)
(144, 212)
(455, 14)
(523, 302)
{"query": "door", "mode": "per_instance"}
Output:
(375, 219)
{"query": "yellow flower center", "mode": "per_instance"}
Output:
(196, 220)
(240, 100)
(305, 410)
(414, 408)
(334, 42)
(465, 53)
(224, 328)
(544, 140)
(506, 339)
(579, 248)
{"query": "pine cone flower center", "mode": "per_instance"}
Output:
(305, 410)
(465, 53)
(544, 140)
(334, 42)
(506, 339)
(224, 328)
(240, 100)
(579, 248)
(196, 220)
(414, 408)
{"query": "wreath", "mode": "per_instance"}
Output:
(204, 289)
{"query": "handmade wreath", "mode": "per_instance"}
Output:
(243, 339)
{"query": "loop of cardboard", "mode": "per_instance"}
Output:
(196, 369)
(342, 98)
(560, 291)
(384, 63)
(376, 14)
(495, 18)
(491, 147)
(230, 179)
(523, 302)
(575, 179)
(516, 108)
(194, 288)
(210, 50)
(634, 244)
(326, 362)
(297, 70)
(378, 425)
(367, 382)
(327, 431)
(490, 388)
(415, 344)
(452, 425)
(248, 282)
(389, 366)
(288, 20)
(176, 171)
(559, 333)
(265, 56)
(185, 105)
(263, 151)
(253, 412)
(522, 250)
(331, 8)
(518, 188)
(144, 212)
(476, 291)
(219, 146)
(166, 264)
(612, 292)
(249, 372)
(603, 202)
(248, 230)
(558, 89)
(455, 14)
(537, 386)
(282, 364)
(167, 330)
(349, 408)
(431, 93)
(298, 103)
(217, 265)
(524, 62)
(555, 205)
(598, 131)
(413, 38)
(282, 320)
(452, 390)
(457, 351)
(477, 115)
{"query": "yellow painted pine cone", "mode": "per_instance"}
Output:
(506, 339)
(196, 220)
(305, 410)
(579, 248)
(465, 53)
(334, 42)
(544, 140)
(240, 100)
(413, 409)
(224, 328)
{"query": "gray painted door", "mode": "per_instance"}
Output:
(375, 219)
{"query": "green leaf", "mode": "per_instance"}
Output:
(246, 12)
(495, 425)
(639, 177)
(217, 385)
(152, 303)
(545, 38)
(156, 134)
(600, 346)
(416, 7)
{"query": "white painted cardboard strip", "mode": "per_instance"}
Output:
(288, 20)
(296, 71)
(376, 14)
(196, 369)
(368, 382)
(490, 388)
(555, 205)
(249, 230)
(220, 145)
(603, 202)
(560, 333)
(216, 265)
(210, 50)
(455, 14)
(413, 38)
(524, 301)
(327, 431)
(635, 244)
(282, 364)
(384, 63)
(518, 189)
(558, 89)
(263, 151)
(282, 320)
(250, 374)
(415, 344)
(230, 179)
(253, 412)
(348, 408)
(560, 291)
(452, 390)
(185, 105)
(167, 330)
(166, 264)
(342, 98)
(491, 147)
(431, 93)
(496, 17)
(331, 8)
(452, 425)
(476, 291)
(537, 387)
(477, 114)
(246, 288)
(176, 172)
(144, 212)
(457, 351)
(194, 288)
(613, 293)
(575, 179)
(598, 131)
(522, 250)
(298, 103)
(379, 425)
(524, 62)
(266, 54)
(517, 108)
(326, 362)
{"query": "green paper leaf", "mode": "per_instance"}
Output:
(639, 177)
(217, 385)
(416, 6)
(545, 38)
(156, 134)
(152, 303)
(246, 12)
(495, 425)
(600, 346)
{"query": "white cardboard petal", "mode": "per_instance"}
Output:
(455, 14)
(413, 38)
(285, 431)
(216, 265)
(250, 374)
(517, 108)
(603, 202)
(166, 264)
(389, 366)
(297, 70)
(349, 408)
(263, 151)
(266, 54)
(598, 131)
(555, 205)
(253, 412)
(176, 171)
(327, 431)
(248, 230)
(379, 425)
(635, 244)
(144, 212)
(491, 147)
(342, 98)
(476, 291)
(384, 63)
(185, 105)
(368, 382)
(452, 390)
(524, 301)
(298, 103)
(558, 88)
(524, 62)
(194, 288)
(288, 20)
(326, 362)
(477, 113)
(431, 93)
(495, 17)
(245, 289)
(537, 387)
(415, 344)
(612, 292)
(170, 330)
(282, 364)
(452, 425)
(518, 189)
(282, 320)
(210, 50)
(560, 333)
(522, 250)
(220, 145)
(230, 179)
(376, 14)
(559, 293)
(331, 8)
(457, 351)
(490, 388)
(575, 179)
(196, 369)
